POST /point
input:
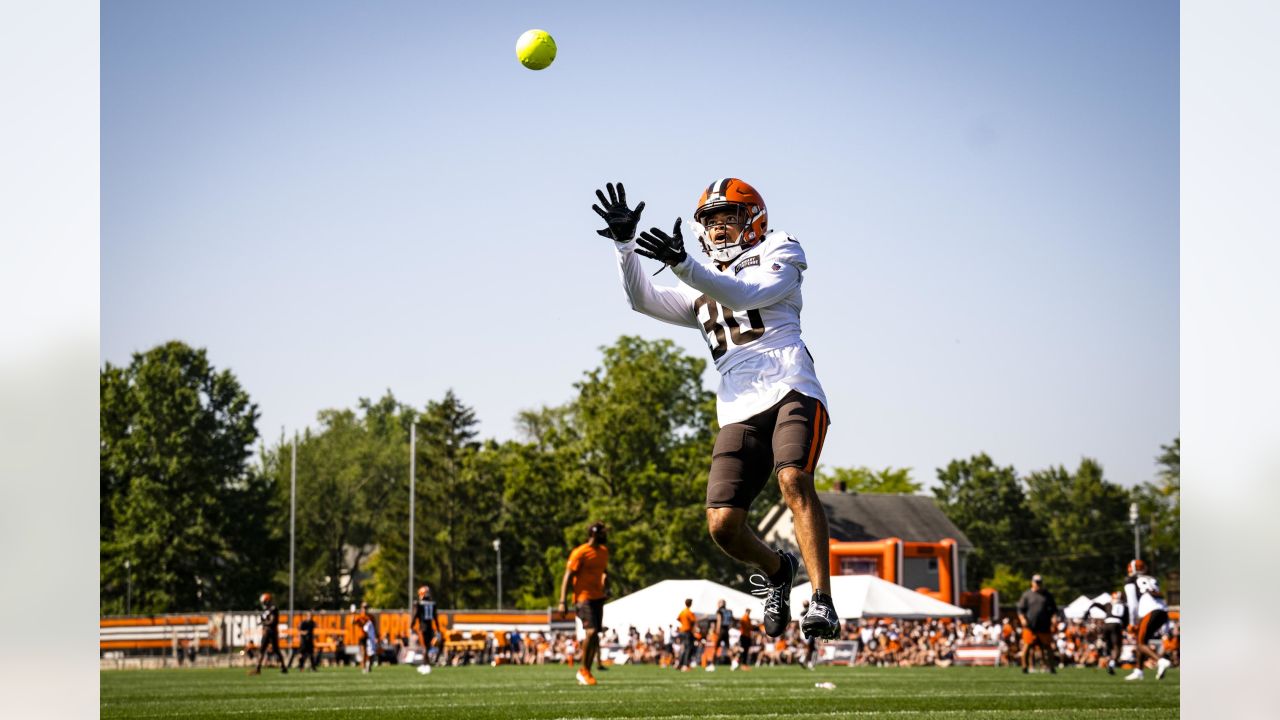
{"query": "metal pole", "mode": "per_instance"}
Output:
(497, 546)
(1133, 518)
(128, 591)
(413, 447)
(293, 511)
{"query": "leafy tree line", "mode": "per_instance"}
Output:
(184, 500)
(1072, 527)
(203, 520)
(176, 499)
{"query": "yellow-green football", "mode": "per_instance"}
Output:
(535, 49)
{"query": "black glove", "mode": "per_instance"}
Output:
(622, 221)
(664, 248)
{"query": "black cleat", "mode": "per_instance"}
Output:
(777, 598)
(821, 620)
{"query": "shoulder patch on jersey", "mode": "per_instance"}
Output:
(782, 250)
(749, 262)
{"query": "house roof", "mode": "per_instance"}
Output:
(872, 516)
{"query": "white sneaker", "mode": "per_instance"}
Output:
(711, 668)
(1162, 665)
(733, 665)
(1135, 675)
(424, 669)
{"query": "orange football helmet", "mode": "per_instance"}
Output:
(752, 213)
(423, 592)
(266, 598)
(1136, 567)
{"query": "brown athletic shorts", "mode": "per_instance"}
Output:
(591, 612)
(1150, 625)
(789, 434)
(1031, 637)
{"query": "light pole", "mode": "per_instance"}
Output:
(128, 588)
(293, 512)
(497, 547)
(413, 453)
(1133, 519)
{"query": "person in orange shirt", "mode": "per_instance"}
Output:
(360, 620)
(687, 622)
(587, 571)
(746, 628)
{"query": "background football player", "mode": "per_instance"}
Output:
(362, 622)
(270, 618)
(1150, 613)
(771, 408)
(306, 643)
(425, 623)
(1113, 627)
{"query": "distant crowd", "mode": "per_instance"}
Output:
(881, 643)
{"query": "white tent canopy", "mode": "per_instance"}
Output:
(657, 606)
(858, 596)
(1076, 610)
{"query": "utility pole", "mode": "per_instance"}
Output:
(497, 547)
(413, 446)
(1133, 518)
(293, 511)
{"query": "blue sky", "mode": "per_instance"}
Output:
(340, 198)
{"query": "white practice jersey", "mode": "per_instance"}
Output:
(1143, 595)
(749, 315)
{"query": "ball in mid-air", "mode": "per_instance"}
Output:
(536, 49)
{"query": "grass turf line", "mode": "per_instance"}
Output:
(550, 693)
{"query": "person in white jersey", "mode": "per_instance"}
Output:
(1150, 613)
(1117, 618)
(770, 406)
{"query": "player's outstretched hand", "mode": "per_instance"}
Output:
(662, 247)
(622, 220)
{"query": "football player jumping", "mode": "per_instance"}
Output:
(770, 406)
(1147, 607)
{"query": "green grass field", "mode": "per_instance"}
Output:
(637, 692)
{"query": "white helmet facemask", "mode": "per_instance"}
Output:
(723, 252)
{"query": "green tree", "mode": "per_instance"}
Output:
(1011, 583)
(632, 449)
(454, 513)
(1159, 511)
(862, 479)
(543, 495)
(349, 471)
(1083, 517)
(457, 512)
(989, 505)
(179, 500)
(646, 427)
